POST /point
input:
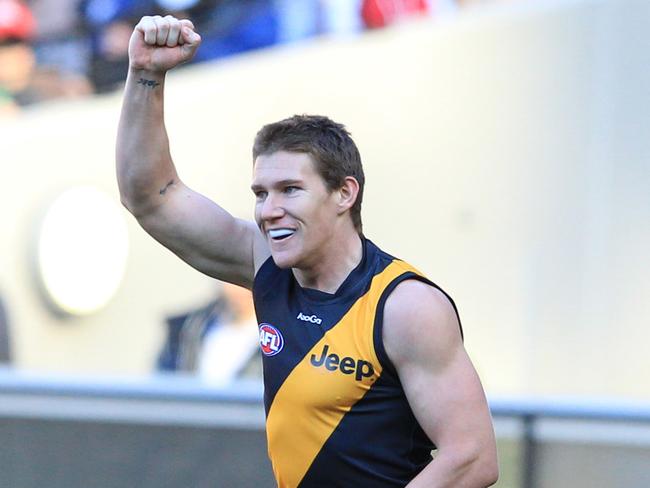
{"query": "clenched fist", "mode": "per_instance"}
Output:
(161, 43)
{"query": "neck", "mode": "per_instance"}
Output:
(333, 265)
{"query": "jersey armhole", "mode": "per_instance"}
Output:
(378, 339)
(265, 271)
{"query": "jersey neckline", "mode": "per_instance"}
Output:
(349, 285)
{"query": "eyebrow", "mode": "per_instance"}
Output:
(277, 184)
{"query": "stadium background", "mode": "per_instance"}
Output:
(507, 155)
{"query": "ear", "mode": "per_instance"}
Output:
(347, 194)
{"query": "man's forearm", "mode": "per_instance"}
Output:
(144, 166)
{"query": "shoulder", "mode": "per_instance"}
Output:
(261, 250)
(420, 322)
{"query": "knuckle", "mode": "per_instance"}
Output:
(144, 23)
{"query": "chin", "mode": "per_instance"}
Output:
(284, 260)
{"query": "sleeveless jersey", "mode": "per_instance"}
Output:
(336, 412)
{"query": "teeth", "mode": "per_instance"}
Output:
(280, 233)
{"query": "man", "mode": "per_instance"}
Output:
(365, 370)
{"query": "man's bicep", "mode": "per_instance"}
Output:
(422, 338)
(449, 404)
(205, 235)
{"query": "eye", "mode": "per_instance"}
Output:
(291, 189)
(260, 194)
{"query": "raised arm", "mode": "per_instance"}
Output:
(422, 339)
(192, 226)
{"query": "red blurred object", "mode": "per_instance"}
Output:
(16, 20)
(380, 13)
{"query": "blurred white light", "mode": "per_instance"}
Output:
(82, 250)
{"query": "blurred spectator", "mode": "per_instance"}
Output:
(231, 349)
(111, 23)
(61, 41)
(218, 342)
(297, 19)
(17, 60)
(5, 349)
(22, 81)
(235, 26)
(380, 13)
(110, 61)
(301, 19)
(342, 17)
(226, 26)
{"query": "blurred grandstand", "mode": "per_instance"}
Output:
(74, 48)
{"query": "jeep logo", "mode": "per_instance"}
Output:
(347, 365)
(309, 318)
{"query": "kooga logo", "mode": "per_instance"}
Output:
(309, 318)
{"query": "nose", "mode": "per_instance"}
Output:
(271, 208)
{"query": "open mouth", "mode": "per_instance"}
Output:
(280, 234)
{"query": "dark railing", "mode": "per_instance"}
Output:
(531, 410)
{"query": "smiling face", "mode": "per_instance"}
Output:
(333, 152)
(294, 209)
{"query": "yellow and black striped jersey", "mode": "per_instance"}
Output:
(336, 412)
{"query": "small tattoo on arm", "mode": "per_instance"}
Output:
(164, 190)
(148, 83)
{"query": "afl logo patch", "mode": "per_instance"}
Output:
(271, 341)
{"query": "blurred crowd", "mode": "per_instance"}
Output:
(218, 342)
(72, 48)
